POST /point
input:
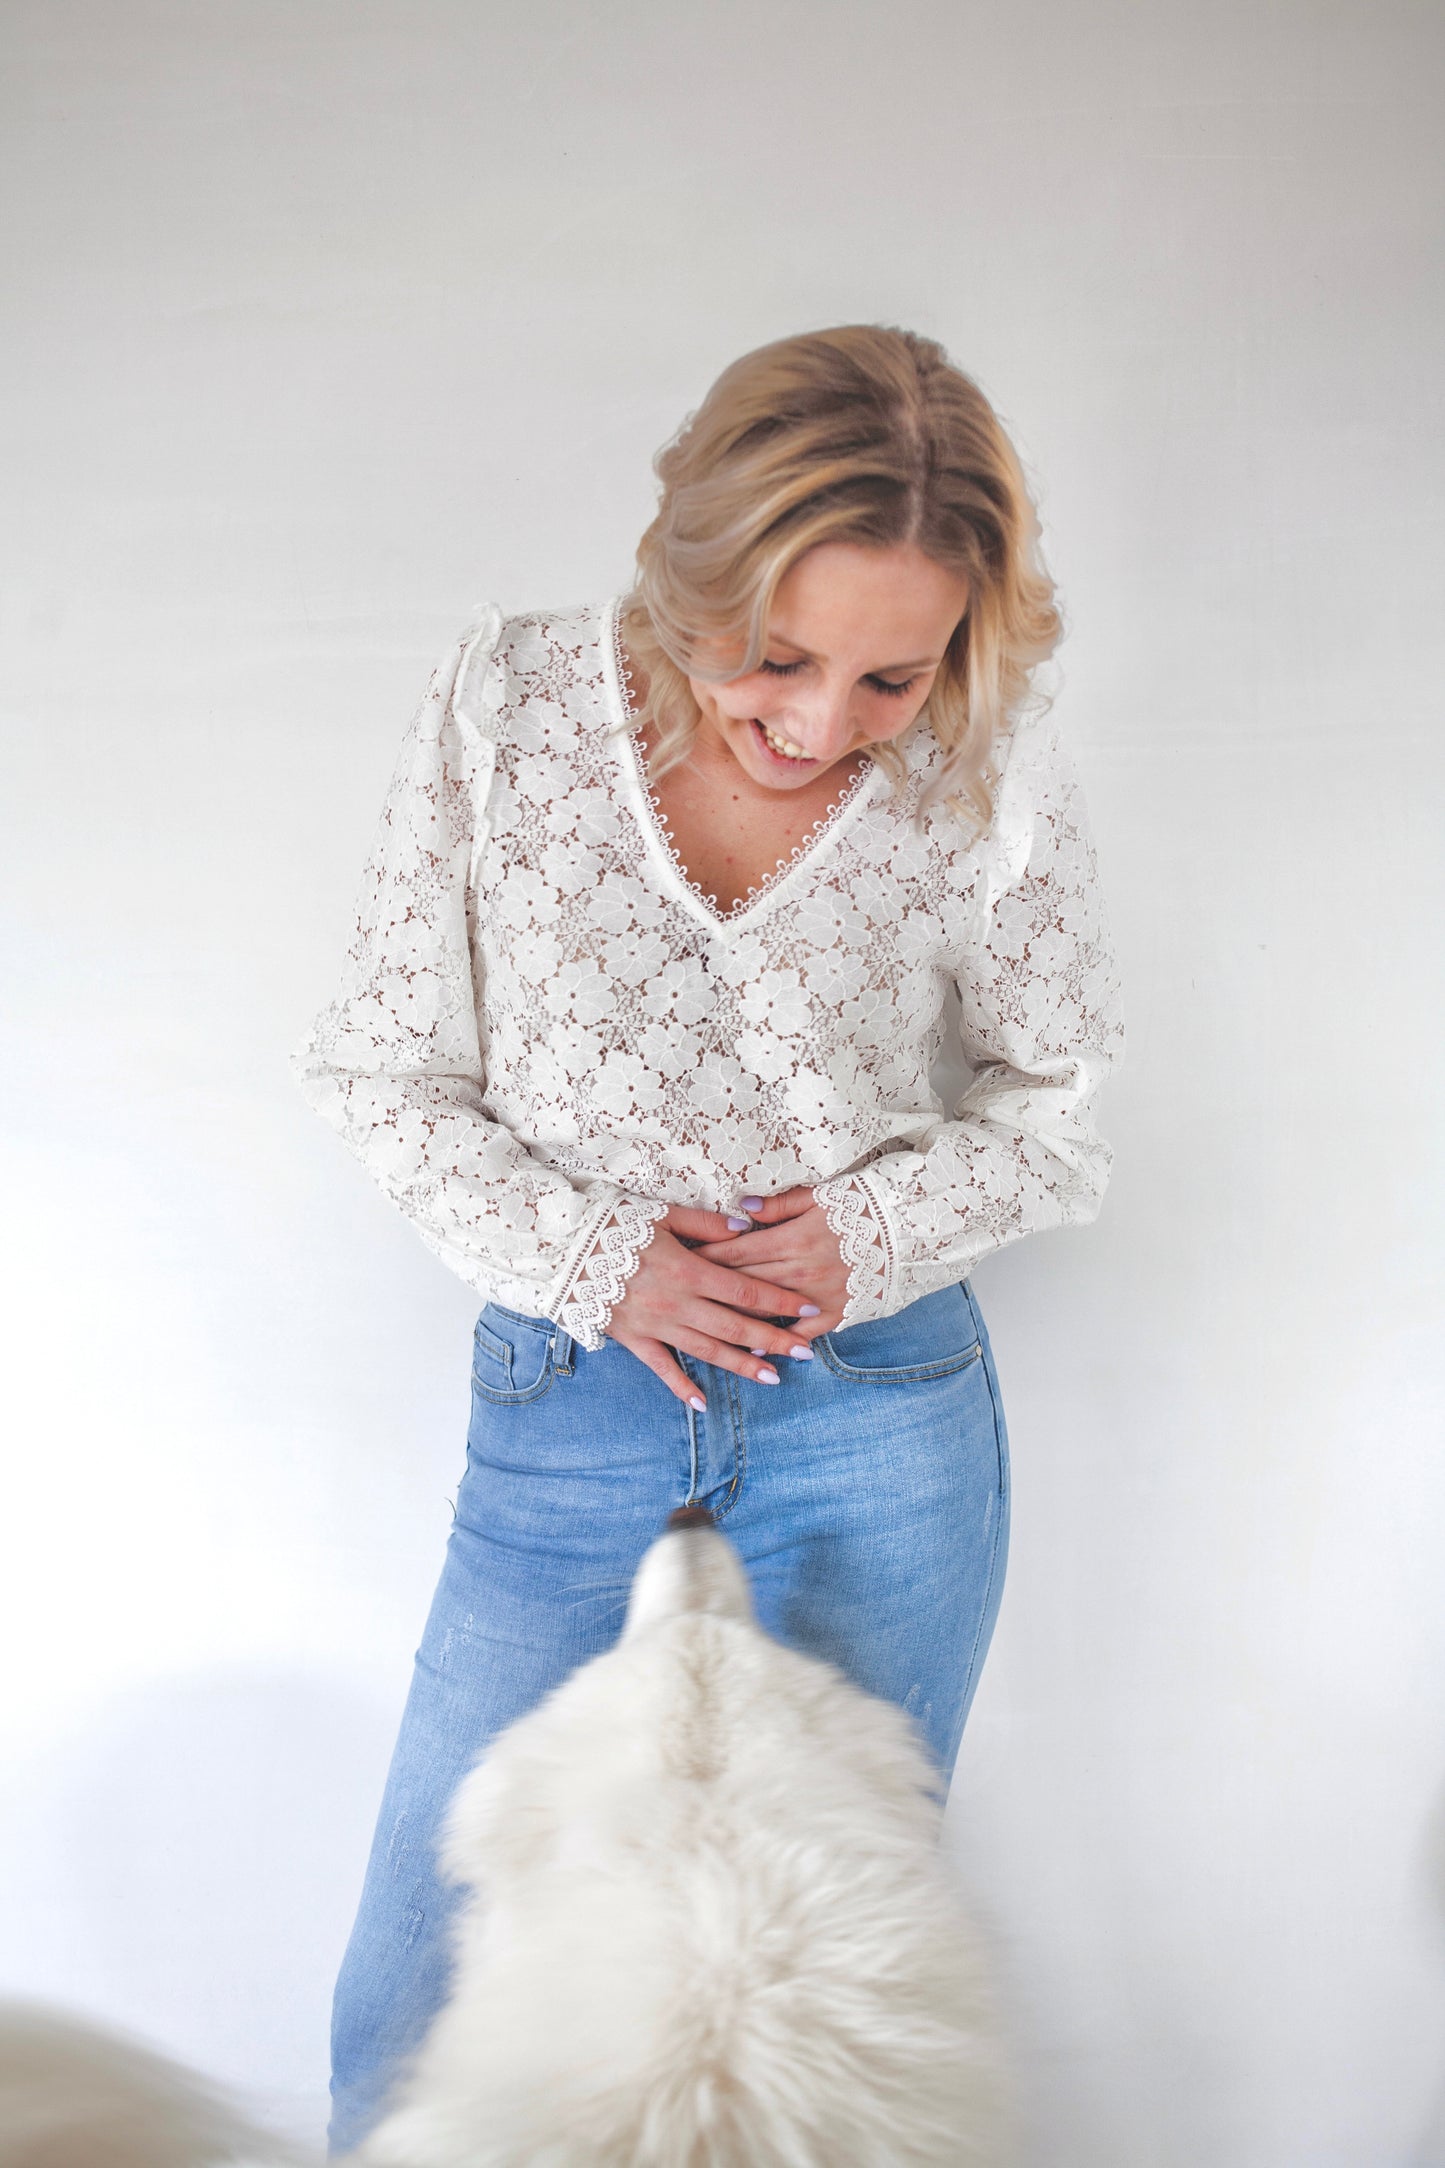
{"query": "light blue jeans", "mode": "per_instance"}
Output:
(868, 1495)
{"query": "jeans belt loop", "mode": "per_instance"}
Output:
(562, 1353)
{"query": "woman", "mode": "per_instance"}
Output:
(637, 1029)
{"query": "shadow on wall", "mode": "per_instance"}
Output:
(1430, 2150)
(188, 1864)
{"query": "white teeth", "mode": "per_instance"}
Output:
(781, 744)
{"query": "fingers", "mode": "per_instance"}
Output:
(696, 1226)
(717, 1334)
(787, 1204)
(677, 1299)
(661, 1360)
(743, 1253)
(744, 1345)
(743, 1362)
(737, 1290)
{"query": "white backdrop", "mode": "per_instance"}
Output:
(328, 320)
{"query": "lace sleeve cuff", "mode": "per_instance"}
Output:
(597, 1272)
(854, 1211)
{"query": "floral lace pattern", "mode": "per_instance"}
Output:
(545, 1035)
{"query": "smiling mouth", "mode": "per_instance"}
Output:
(781, 748)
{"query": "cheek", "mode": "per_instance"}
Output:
(896, 717)
(882, 727)
(742, 704)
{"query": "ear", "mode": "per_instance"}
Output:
(499, 1818)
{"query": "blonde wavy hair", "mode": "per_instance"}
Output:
(864, 434)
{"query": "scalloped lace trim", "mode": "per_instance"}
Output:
(624, 672)
(784, 866)
(851, 1211)
(601, 1273)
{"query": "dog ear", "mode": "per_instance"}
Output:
(499, 1821)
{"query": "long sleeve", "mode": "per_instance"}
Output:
(394, 1063)
(1041, 1026)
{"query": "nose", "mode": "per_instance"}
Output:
(821, 726)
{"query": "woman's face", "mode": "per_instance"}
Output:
(855, 639)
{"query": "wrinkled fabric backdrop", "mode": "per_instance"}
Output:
(327, 321)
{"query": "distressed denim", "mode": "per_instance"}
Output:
(867, 1493)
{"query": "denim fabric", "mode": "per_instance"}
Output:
(868, 1494)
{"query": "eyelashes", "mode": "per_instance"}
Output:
(787, 669)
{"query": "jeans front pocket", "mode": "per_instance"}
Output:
(929, 1338)
(512, 1355)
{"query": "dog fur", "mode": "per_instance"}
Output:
(73, 2096)
(709, 1922)
(706, 1923)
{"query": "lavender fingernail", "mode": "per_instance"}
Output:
(757, 1351)
(768, 1376)
(809, 1309)
(752, 1204)
(699, 1403)
(738, 1226)
(802, 1353)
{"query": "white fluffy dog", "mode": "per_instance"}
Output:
(710, 1925)
(72, 2096)
(708, 1921)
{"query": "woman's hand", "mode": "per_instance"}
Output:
(790, 1241)
(679, 1297)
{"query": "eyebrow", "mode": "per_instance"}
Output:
(921, 662)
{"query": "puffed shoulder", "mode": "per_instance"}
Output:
(1035, 778)
(477, 691)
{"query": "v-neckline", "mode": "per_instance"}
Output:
(656, 833)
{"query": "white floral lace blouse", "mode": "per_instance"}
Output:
(545, 1034)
